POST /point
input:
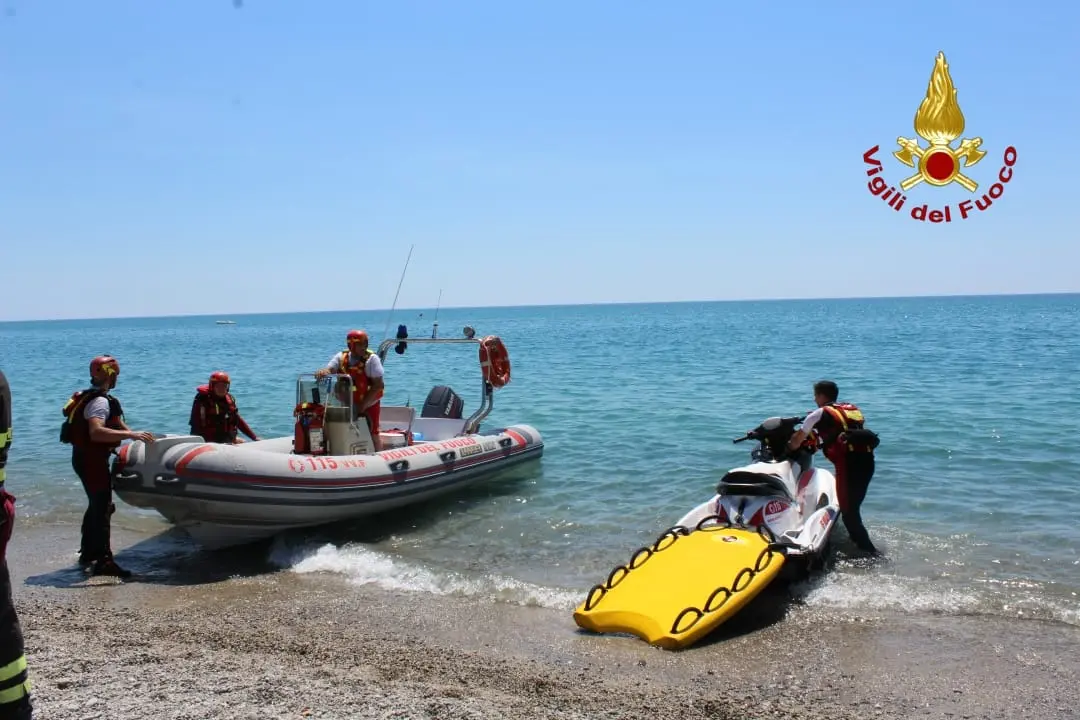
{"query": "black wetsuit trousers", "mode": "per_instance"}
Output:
(854, 471)
(93, 471)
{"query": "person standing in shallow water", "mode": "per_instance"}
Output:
(94, 425)
(839, 428)
(14, 681)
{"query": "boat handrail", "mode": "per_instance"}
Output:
(385, 345)
(487, 392)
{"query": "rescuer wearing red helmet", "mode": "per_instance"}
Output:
(366, 371)
(214, 415)
(94, 426)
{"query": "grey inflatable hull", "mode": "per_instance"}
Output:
(225, 495)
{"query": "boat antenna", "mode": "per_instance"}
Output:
(435, 326)
(390, 316)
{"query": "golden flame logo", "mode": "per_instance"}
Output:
(939, 121)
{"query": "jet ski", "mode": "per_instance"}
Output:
(777, 510)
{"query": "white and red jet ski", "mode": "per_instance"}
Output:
(793, 500)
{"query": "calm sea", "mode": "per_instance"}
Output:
(975, 500)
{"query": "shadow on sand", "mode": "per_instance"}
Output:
(790, 590)
(173, 558)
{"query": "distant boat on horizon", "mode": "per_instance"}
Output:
(225, 322)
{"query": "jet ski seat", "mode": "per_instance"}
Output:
(741, 482)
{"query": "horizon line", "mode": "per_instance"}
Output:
(542, 305)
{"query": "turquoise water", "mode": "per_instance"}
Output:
(975, 500)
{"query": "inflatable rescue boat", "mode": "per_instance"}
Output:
(225, 495)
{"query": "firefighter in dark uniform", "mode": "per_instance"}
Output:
(840, 431)
(14, 682)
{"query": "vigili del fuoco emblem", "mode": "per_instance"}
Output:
(940, 123)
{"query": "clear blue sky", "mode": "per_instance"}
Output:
(286, 154)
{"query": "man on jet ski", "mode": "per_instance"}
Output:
(850, 447)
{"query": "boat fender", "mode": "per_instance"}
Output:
(402, 333)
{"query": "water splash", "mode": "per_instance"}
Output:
(363, 566)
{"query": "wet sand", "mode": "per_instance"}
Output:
(238, 640)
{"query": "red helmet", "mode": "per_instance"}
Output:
(355, 336)
(220, 376)
(104, 363)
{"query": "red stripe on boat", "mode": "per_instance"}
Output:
(190, 455)
(335, 483)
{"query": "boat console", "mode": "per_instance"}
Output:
(345, 436)
(327, 423)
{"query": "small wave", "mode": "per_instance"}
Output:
(889, 592)
(872, 591)
(363, 566)
(845, 588)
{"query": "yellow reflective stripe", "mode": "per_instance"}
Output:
(843, 417)
(16, 693)
(13, 668)
(840, 416)
(3, 476)
(5, 437)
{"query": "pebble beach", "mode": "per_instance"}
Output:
(241, 643)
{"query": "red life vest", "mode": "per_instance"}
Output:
(215, 418)
(361, 382)
(76, 429)
(844, 417)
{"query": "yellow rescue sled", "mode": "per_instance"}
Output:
(685, 585)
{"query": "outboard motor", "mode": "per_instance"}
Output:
(443, 402)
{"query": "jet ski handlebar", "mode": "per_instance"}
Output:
(772, 426)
